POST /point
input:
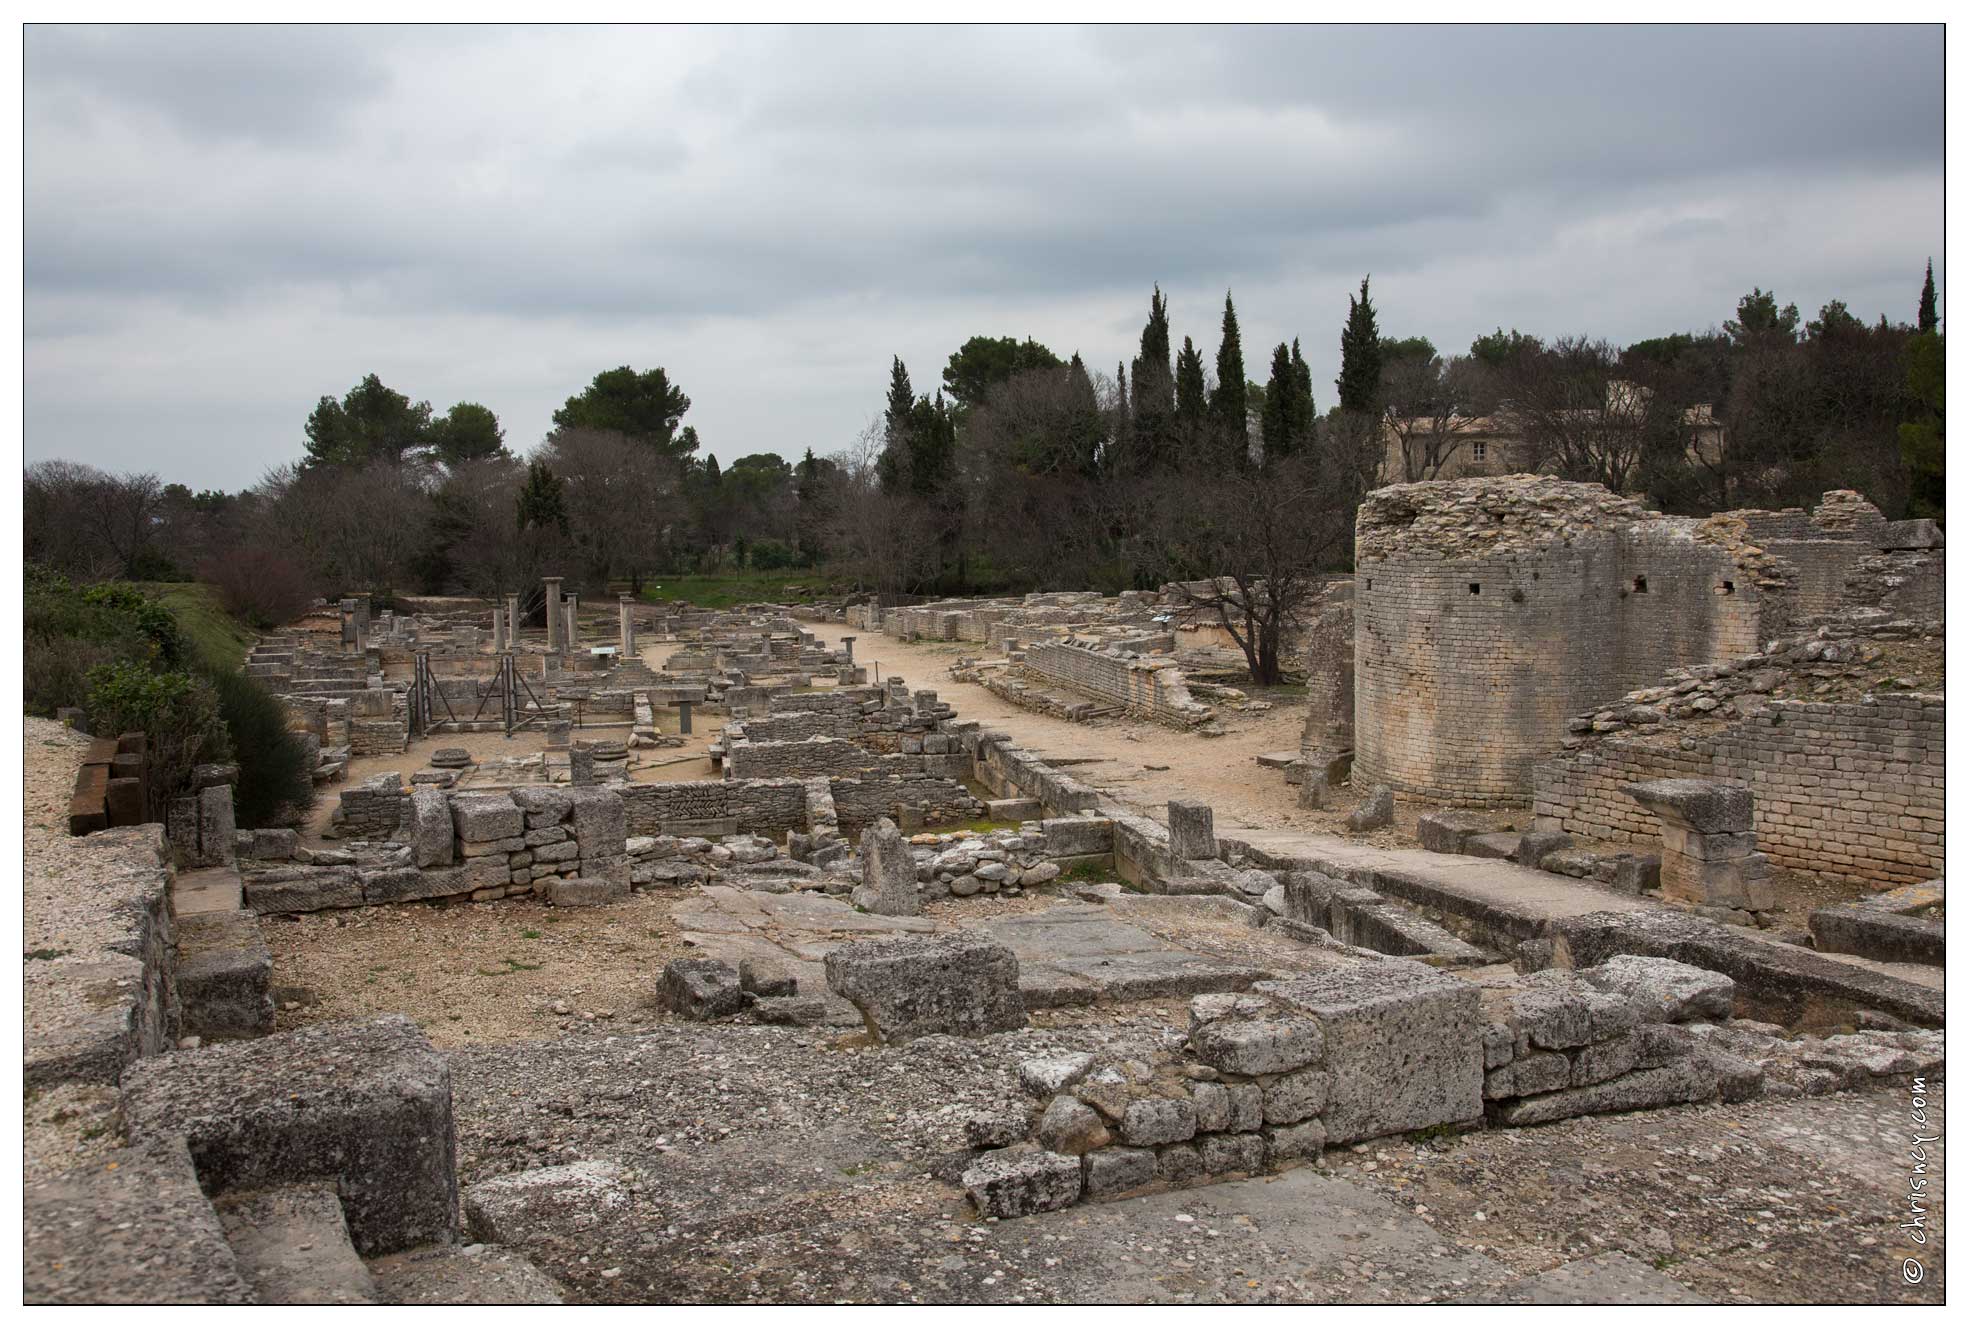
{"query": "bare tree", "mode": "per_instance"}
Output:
(886, 541)
(1254, 541)
(90, 522)
(1432, 406)
(623, 498)
(1580, 416)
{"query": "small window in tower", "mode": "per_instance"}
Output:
(1729, 588)
(1476, 588)
(1640, 586)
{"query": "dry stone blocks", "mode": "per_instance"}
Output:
(1192, 830)
(1708, 847)
(959, 984)
(888, 873)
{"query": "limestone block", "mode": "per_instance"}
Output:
(1241, 1151)
(960, 984)
(429, 828)
(1702, 805)
(1011, 1183)
(888, 873)
(702, 989)
(487, 817)
(1444, 832)
(598, 821)
(1045, 1076)
(1376, 810)
(1158, 1121)
(585, 892)
(1665, 991)
(1069, 1126)
(1113, 1171)
(1404, 1043)
(1192, 830)
(1258, 1047)
(215, 823)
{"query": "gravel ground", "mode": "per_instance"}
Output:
(493, 972)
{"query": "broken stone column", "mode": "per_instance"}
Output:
(581, 764)
(573, 604)
(848, 648)
(888, 873)
(1192, 830)
(1708, 843)
(498, 630)
(627, 627)
(553, 613)
(512, 620)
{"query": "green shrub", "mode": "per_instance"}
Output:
(178, 712)
(273, 764)
(772, 555)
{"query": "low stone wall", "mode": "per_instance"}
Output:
(1848, 791)
(758, 807)
(1153, 689)
(930, 800)
(1013, 772)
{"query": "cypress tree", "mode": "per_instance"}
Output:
(1191, 408)
(1930, 317)
(1275, 424)
(1302, 396)
(897, 417)
(1084, 430)
(1154, 402)
(1228, 404)
(1360, 357)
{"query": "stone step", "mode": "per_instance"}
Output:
(205, 891)
(224, 974)
(293, 1249)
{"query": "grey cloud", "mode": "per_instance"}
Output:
(549, 195)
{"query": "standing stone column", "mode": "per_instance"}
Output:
(553, 613)
(628, 626)
(512, 621)
(498, 629)
(1708, 843)
(683, 717)
(848, 648)
(573, 604)
(888, 873)
(1192, 830)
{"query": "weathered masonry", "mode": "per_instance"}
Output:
(1491, 611)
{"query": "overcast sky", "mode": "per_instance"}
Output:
(223, 224)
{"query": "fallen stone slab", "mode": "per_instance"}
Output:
(522, 1208)
(293, 1248)
(1665, 991)
(1444, 832)
(1877, 934)
(962, 984)
(452, 1275)
(140, 1232)
(1776, 982)
(1690, 1081)
(703, 989)
(366, 1104)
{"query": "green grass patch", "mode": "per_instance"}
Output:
(722, 590)
(220, 639)
(1087, 872)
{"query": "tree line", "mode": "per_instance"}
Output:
(1024, 469)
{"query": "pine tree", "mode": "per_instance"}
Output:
(1154, 401)
(1930, 317)
(1191, 407)
(1360, 357)
(1228, 404)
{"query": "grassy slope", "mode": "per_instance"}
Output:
(725, 589)
(219, 638)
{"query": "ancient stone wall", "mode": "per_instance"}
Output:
(1490, 611)
(758, 807)
(936, 800)
(1850, 791)
(1150, 688)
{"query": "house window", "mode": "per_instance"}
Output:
(1477, 451)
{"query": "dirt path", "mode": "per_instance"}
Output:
(1138, 764)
